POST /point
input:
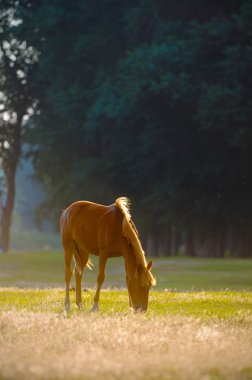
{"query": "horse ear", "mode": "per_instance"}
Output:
(149, 265)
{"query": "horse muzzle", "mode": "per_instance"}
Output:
(139, 309)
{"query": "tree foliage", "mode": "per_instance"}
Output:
(151, 100)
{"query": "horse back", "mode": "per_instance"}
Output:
(93, 227)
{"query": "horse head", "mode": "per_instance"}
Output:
(139, 286)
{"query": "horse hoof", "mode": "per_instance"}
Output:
(67, 309)
(95, 308)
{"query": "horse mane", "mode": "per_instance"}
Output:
(131, 234)
(123, 204)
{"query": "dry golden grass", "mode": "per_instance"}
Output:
(123, 346)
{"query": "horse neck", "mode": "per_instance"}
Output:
(130, 261)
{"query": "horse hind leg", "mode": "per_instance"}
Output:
(81, 259)
(78, 276)
(68, 272)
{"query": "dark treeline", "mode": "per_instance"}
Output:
(148, 99)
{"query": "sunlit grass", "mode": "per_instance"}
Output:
(203, 305)
(183, 336)
(190, 331)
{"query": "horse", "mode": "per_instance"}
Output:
(104, 231)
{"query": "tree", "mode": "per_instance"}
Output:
(16, 65)
(185, 99)
(77, 43)
(154, 101)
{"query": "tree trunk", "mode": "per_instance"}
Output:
(245, 242)
(10, 163)
(222, 242)
(175, 241)
(7, 212)
(166, 241)
(155, 239)
(189, 244)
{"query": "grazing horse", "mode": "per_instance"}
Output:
(104, 231)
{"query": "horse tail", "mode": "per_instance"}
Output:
(129, 230)
(77, 259)
(89, 264)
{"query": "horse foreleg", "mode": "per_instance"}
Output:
(127, 282)
(67, 299)
(100, 280)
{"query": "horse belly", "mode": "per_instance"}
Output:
(87, 240)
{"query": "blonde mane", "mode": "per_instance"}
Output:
(123, 204)
(130, 232)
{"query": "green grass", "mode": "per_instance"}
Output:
(207, 287)
(204, 305)
(46, 269)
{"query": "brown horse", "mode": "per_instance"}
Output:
(104, 231)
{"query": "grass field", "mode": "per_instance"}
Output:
(202, 331)
(43, 269)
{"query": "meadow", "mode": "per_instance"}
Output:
(198, 325)
(46, 269)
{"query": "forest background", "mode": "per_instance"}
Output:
(148, 99)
